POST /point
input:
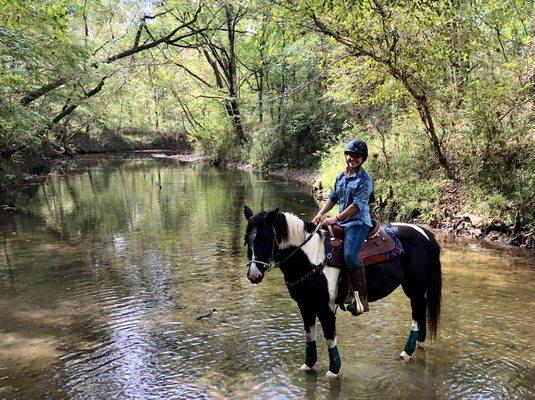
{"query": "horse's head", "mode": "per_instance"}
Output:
(261, 241)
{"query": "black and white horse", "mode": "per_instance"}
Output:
(279, 236)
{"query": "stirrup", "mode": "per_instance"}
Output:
(356, 307)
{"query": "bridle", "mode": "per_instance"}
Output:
(271, 262)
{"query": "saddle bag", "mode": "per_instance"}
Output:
(334, 247)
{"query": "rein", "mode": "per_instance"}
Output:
(273, 255)
(301, 245)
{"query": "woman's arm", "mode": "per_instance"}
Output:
(325, 209)
(348, 212)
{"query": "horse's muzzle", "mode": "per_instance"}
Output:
(254, 274)
(255, 280)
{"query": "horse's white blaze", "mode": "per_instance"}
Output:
(332, 274)
(297, 234)
(310, 337)
(416, 227)
(254, 272)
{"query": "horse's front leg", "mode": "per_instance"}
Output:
(309, 321)
(328, 324)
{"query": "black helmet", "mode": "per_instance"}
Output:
(357, 146)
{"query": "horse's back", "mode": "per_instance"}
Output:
(421, 255)
(412, 269)
(418, 242)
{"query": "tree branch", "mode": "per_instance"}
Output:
(32, 96)
(69, 109)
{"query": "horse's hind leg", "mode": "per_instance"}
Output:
(328, 324)
(309, 321)
(417, 333)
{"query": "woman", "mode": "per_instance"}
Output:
(351, 191)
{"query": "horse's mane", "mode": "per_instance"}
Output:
(291, 229)
(296, 230)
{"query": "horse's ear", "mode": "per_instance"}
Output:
(247, 212)
(272, 215)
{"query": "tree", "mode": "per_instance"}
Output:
(398, 36)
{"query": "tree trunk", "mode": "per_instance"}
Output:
(69, 109)
(234, 102)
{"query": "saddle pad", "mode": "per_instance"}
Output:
(383, 247)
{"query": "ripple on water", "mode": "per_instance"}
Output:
(119, 304)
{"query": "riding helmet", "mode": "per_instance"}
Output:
(358, 147)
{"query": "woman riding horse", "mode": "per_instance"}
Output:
(351, 191)
(297, 248)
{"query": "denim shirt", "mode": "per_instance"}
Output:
(355, 189)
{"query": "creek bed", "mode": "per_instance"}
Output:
(104, 272)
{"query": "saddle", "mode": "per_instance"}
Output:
(379, 245)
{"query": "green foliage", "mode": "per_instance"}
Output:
(436, 89)
(220, 148)
(417, 190)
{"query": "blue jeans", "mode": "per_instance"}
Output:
(354, 237)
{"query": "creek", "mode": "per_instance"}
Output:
(105, 270)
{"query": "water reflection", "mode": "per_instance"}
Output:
(104, 272)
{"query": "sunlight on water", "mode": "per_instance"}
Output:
(105, 277)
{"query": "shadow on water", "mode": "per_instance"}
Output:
(104, 271)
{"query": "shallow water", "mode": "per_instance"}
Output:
(104, 272)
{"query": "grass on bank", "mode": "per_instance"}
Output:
(417, 190)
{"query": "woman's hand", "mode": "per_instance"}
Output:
(318, 219)
(329, 221)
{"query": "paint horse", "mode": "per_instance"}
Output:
(278, 237)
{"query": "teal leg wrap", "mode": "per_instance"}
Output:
(410, 346)
(311, 355)
(334, 360)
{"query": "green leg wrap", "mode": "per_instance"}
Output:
(410, 346)
(311, 355)
(334, 360)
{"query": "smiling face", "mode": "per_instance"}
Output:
(354, 160)
(260, 241)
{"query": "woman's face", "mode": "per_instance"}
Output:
(354, 160)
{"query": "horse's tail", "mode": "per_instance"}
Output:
(434, 290)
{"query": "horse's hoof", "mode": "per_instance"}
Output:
(420, 345)
(305, 368)
(331, 376)
(404, 357)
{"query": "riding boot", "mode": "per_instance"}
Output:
(357, 276)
